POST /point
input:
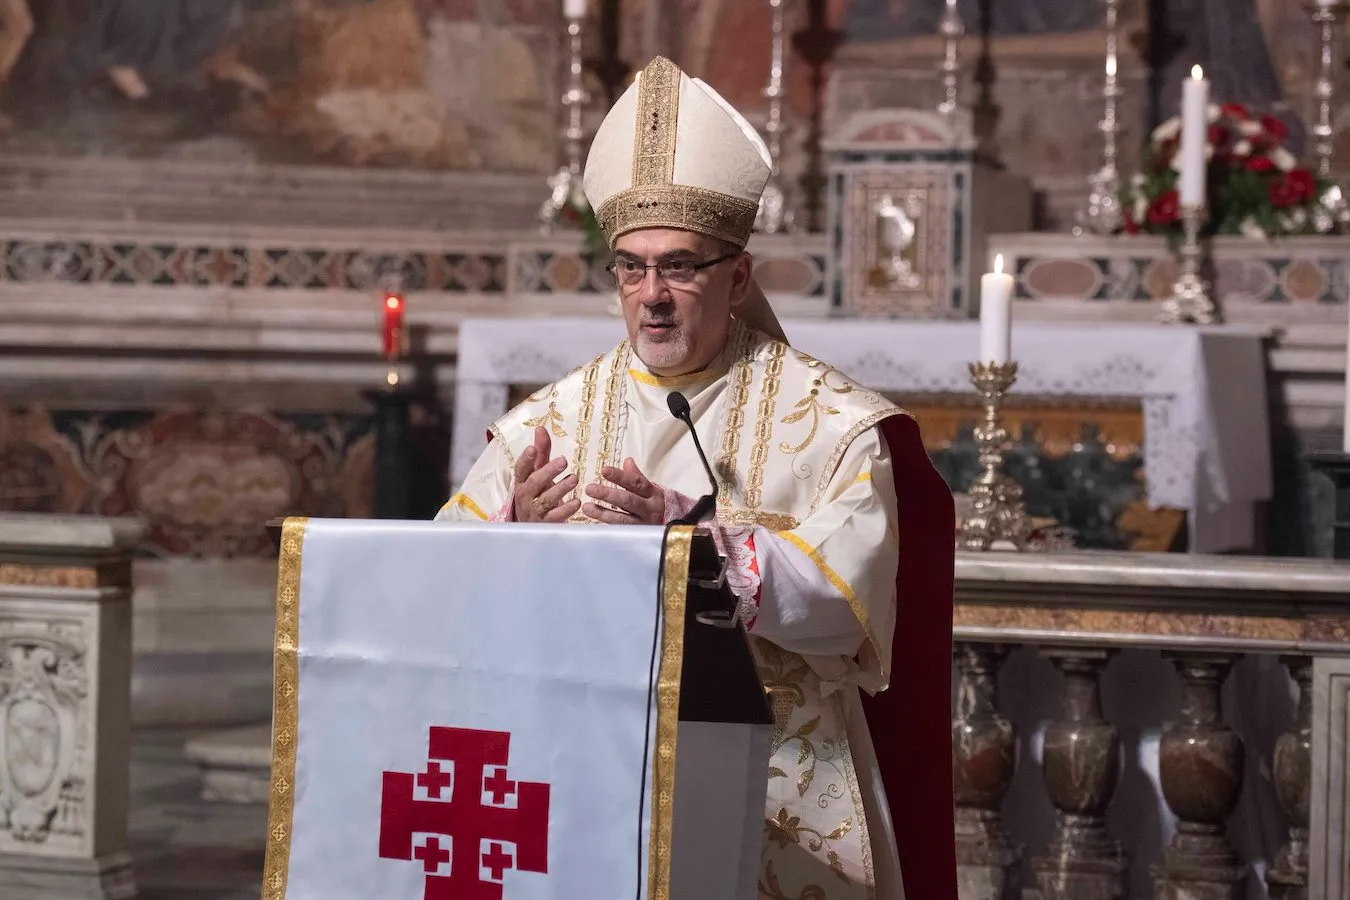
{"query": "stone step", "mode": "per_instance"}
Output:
(235, 763)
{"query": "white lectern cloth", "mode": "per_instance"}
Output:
(524, 631)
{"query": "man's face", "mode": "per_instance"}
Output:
(678, 323)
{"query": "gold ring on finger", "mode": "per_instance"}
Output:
(540, 505)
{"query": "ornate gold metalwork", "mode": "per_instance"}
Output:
(1190, 301)
(997, 515)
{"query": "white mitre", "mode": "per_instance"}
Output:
(672, 153)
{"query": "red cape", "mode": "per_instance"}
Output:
(911, 722)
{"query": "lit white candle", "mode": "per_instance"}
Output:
(996, 290)
(1194, 136)
(574, 9)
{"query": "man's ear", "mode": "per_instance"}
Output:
(740, 278)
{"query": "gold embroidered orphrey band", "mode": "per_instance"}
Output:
(675, 584)
(285, 711)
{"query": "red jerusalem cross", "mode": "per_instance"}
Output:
(475, 832)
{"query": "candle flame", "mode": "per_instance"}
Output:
(998, 264)
(1110, 65)
(1197, 73)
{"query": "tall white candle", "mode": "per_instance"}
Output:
(996, 290)
(574, 9)
(1194, 134)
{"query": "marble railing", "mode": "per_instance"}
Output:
(1200, 614)
(1098, 643)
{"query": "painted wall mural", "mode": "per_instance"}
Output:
(441, 84)
(474, 84)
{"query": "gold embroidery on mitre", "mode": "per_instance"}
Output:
(677, 206)
(658, 111)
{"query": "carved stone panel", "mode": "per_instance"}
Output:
(46, 744)
(1329, 839)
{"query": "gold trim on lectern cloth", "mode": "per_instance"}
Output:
(285, 710)
(675, 583)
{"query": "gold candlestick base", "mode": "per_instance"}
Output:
(997, 516)
(1191, 302)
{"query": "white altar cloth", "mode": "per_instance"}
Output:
(1203, 390)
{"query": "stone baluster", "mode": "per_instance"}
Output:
(1288, 877)
(1200, 764)
(984, 758)
(65, 675)
(1082, 765)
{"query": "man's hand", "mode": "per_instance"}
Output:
(638, 501)
(538, 495)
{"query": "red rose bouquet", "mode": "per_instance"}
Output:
(1255, 185)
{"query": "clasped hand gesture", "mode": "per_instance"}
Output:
(629, 499)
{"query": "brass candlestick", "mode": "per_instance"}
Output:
(997, 515)
(1102, 215)
(774, 215)
(952, 29)
(1190, 301)
(565, 184)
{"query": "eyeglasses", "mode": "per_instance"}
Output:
(630, 273)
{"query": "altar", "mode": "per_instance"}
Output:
(1205, 447)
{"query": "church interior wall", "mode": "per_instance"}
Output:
(189, 277)
(190, 283)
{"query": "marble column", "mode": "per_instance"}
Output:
(1200, 765)
(1287, 878)
(984, 758)
(1081, 766)
(65, 706)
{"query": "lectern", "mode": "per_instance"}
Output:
(490, 711)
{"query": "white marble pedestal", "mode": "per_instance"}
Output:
(65, 706)
(235, 764)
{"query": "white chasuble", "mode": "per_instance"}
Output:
(807, 513)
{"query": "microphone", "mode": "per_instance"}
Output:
(679, 408)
